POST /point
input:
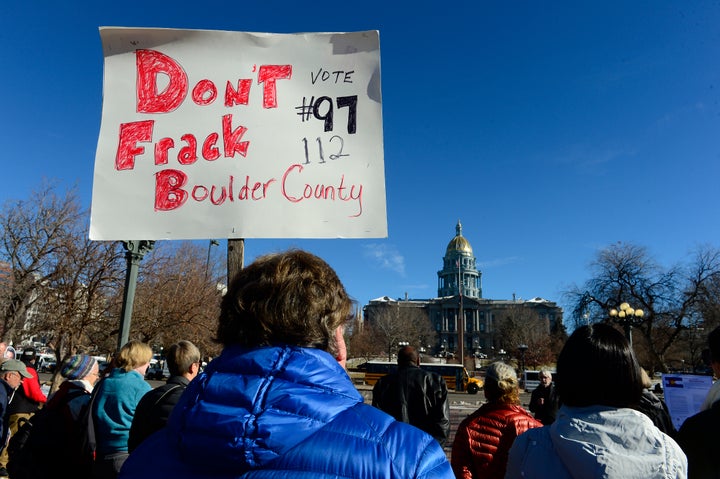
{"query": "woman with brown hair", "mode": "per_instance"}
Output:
(483, 439)
(278, 402)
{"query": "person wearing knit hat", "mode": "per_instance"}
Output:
(64, 458)
(78, 366)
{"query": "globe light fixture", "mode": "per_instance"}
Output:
(628, 317)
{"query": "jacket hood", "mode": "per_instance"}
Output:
(599, 441)
(251, 405)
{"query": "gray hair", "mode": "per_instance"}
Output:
(546, 373)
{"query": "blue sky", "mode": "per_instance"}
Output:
(550, 129)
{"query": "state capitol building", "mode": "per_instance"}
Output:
(482, 316)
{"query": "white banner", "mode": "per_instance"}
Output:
(214, 134)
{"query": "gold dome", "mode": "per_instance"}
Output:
(459, 243)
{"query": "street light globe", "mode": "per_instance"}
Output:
(624, 306)
(639, 313)
(630, 312)
(613, 312)
(621, 314)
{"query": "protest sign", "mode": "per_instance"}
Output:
(215, 134)
(684, 394)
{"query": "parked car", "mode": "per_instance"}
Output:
(45, 363)
(157, 371)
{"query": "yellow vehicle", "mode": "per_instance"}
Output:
(455, 375)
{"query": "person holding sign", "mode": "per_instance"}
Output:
(278, 402)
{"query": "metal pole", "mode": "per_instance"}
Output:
(134, 254)
(207, 263)
(461, 319)
(628, 331)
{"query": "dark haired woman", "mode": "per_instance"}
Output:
(596, 433)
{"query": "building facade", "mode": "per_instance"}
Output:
(460, 296)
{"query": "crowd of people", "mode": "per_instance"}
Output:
(278, 402)
(87, 428)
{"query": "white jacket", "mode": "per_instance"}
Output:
(597, 442)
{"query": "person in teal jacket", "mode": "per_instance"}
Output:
(278, 402)
(114, 406)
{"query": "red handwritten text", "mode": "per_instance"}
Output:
(150, 64)
(142, 132)
(172, 190)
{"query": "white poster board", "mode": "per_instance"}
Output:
(684, 394)
(217, 134)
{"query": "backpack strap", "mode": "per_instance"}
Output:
(169, 390)
(88, 424)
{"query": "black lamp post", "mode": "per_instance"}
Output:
(523, 347)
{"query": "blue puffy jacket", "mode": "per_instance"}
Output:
(282, 412)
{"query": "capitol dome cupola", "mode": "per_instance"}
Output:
(459, 268)
(459, 244)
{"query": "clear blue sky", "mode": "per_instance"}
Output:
(550, 129)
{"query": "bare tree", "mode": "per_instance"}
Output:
(33, 232)
(61, 284)
(523, 326)
(396, 323)
(82, 298)
(362, 342)
(177, 297)
(671, 298)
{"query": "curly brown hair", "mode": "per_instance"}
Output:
(292, 298)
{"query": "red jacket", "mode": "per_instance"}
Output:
(31, 387)
(483, 440)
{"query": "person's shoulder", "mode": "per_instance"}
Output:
(702, 421)
(5, 389)
(514, 413)
(71, 390)
(372, 421)
(536, 436)
(410, 449)
(168, 392)
(178, 380)
(429, 375)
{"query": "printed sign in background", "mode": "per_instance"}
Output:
(213, 134)
(684, 395)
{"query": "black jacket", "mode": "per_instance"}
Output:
(547, 411)
(655, 408)
(416, 397)
(698, 439)
(154, 409)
